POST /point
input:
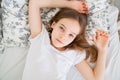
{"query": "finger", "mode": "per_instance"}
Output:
(107, 35)
(85, 8)
(98, 33)
(84, 12)
(103, 33)
(85, 5)
(87, 11)
(94, 38)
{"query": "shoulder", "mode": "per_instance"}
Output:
(77, 56)
(41, 37)
(76, 53)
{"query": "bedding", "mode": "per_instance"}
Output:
(15, 44)
(0, 25)
(12, 63)
(0, 32)
(16, 30)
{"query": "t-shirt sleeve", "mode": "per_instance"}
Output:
(43, 36)
(79, 57)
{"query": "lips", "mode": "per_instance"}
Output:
(59, 41)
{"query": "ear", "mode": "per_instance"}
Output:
(53, 24)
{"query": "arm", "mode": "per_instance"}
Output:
(34, 12)
(99, 71)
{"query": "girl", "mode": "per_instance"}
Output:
(50, 57)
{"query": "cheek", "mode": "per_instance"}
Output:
(69, 41)
(56, 32)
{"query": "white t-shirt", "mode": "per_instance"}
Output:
(44, 62)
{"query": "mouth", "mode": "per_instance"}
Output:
(59, 41)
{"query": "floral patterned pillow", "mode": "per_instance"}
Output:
(15, 20)
(15, 23)
(1, 30)
(98, 17)
(0, 25)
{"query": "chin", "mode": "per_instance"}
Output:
(59, 46)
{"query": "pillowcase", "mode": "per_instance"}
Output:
(98, 18)
(1, 47)
(15, 23)
(0, 25)
(47, 14)
(117, 4)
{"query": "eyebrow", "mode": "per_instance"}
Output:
(66, 28)
(63, 25)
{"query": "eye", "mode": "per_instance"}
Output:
(61, 28)
(71, 35)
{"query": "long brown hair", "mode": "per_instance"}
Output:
(80, 43)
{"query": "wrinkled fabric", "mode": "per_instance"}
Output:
(12, 63)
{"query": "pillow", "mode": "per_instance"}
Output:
(15, 23)
(117, 4)
(97, 18)
(0, 3)
(1, 47)
(47, 14)
(0, 25)
(14, 6)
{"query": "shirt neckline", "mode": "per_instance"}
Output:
(58, 51)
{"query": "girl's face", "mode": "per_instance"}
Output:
(64, 32)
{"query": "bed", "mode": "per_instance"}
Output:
(113, 61)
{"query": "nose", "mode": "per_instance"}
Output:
(63, 36)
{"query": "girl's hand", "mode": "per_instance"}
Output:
(80, 6)
(101, 39)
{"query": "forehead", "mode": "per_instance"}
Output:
(71, 25)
